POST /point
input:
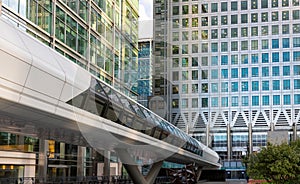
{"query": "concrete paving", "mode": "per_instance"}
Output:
(237, 181)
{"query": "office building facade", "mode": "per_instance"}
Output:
(144, 82)
(101, 37)
(233, 69)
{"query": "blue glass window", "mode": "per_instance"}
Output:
(296, 69)
(254, 58)
(245, 86)
(224, 102)
(224, 87)
(296, 42)
(297, 84)
(286, 56)
(214, 102)
(234, 87)
(296, 56)
(255, 85)
(285, 43)
(214, 60)
(224, 60)
(276, 99)
(265, 71)
(224, 73)
(265, 44)
(265, 100)
(234, 59)
(244, 58)
(286, 84)
(265, 85)
(286, 71)
(275, 57)
(234, 101)
(255, 100)
(224, 47)
(297, 99)
(214, 47)
(245, 100)
(234, 73)
(275, 71)
(214, 74)
(244, 72)
(265, 57)
(276, 84)
(275, 43)
(254, 71)
(214, 88)
(287, 99)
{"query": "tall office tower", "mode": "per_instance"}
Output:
(99, 35)
(144, 82)
(233, 67)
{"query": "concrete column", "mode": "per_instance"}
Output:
(229, 147)
(294, 131)
(272, 128)
(43, 160)
(250, 142)
(80, 161)
(106, 169)
(207, 135)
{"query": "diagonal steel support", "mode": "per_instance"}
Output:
(134, 171)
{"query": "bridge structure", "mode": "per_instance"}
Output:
(44, 95)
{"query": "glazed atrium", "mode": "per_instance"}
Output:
(231, 70)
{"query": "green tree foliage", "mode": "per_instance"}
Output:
(276, 163)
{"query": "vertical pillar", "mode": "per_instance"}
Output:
(294, 131)
(207, 135)
(250, 142)
(272, 127)
(80, 161)
(43, 159)
(229, 147)
(106, 169)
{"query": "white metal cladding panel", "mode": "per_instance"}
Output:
(77, 79)
(44, 83)
(10, 34)
(12, 68)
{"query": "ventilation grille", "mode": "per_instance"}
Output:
(267, 114)
(261, 121)
(200, 122)
(233, 115)
(173, 117)
(180, 123)
(247, 114)
(275, 113)
(253, 114)
(226, 115)
(220, 121)
(282, 121)
(240, 122)
(296, 113)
